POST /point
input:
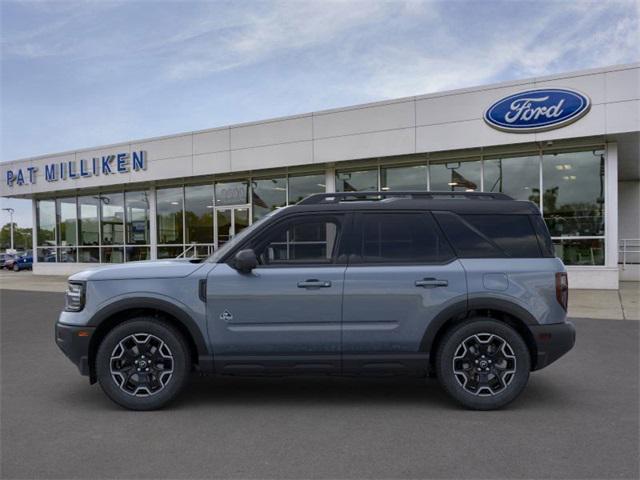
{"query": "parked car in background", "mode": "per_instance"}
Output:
(7, 261)
(23, 262)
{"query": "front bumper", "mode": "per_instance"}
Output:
(552, 342)
(74, 343)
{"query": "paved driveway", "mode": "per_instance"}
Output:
(577, 419)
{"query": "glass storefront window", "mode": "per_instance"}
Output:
(573, 199)
(46, 218)
(169, 252)
(169, 207)
(232, 193)
(134, 254)
(404, 178)
(518, 177)
(88, 220)
(89, 255)
(198, 213)
(67, 254)
(112, 255)
(47, 254)
(580, 251)
(301, 186)
(112, 218)
(268, 194)
(137, 218)
(357, 181)
(67, 221)
(455, 176)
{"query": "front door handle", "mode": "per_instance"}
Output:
(431, 283)
(313, 283)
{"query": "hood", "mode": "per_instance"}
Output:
(174, 268)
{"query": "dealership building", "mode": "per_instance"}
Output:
(569, 143)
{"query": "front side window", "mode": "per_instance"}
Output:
(401, 238)
(305, 240)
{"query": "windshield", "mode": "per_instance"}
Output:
(239, 238)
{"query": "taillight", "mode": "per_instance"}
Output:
(562, 289)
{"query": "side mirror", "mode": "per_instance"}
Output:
(245, 261)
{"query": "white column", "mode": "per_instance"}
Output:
(34, 231)
(330, 179)
(611, 205)
(153, 233)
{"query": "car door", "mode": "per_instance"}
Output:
(284, 316)
(401, 274)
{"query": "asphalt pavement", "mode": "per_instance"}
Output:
(577, 418)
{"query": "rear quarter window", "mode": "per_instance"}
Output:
(490, 236)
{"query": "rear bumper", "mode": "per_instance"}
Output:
(74, 343)
(552, 342)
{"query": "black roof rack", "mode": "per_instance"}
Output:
(337, 197)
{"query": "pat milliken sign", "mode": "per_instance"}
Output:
(537, 110)
(105, 165)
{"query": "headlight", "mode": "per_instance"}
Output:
(74, 297)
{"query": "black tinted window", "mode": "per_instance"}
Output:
(306, 240)
(514, 234)
(488, 236)
(401, 238)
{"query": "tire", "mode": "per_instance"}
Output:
(483, 364)
(16, 268)
(143, 363)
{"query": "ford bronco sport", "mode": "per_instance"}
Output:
(461, 286)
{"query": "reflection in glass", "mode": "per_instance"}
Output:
(169, 207)
(137, 217)
(267, 195)
(134, 254)
(46, 218)
(301, 186)
(455, 176)
(112, 218)
(224, 225)
(67, 221)
(169, 252)
(198, 213)
(240, 220)
(232, 193)
(112, 255)
(89, 255)
(88, 220)
(67, 254)
(47, 254)
(518, 177)
(404, 178)
(357, 181)
(573, 199)
(580, 252)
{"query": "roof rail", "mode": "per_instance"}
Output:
(337, 197)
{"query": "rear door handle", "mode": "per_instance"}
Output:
(313, 283)
(431, 283)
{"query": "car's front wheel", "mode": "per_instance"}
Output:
(484, 364)
(16, 268)
(143, 363)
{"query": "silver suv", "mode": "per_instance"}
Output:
(462, 286)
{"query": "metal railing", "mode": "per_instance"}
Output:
(192, 251)
(629, 251)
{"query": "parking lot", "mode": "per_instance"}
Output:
(577, 419)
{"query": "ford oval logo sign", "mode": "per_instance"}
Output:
(537, 110)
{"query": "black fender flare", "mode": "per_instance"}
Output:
(462, 308)
(134, 303)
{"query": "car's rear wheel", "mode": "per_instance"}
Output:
(484, 364)
(143, 363)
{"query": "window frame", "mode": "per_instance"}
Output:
(263, 236)
(355, 255)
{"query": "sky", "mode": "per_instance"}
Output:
(86, 73)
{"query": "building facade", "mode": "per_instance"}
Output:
(570, 143)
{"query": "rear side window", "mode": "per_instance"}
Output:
(401, 238)
(489, 236)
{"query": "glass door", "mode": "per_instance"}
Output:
(229, 222)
